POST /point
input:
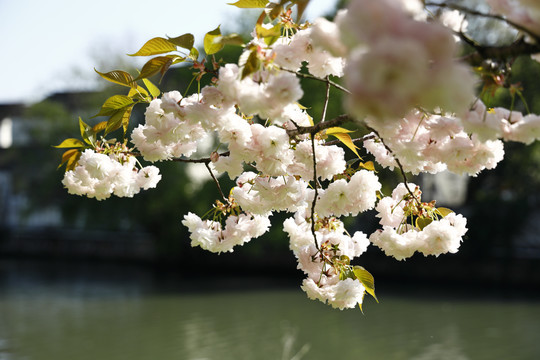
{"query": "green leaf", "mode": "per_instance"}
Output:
(193, 54)
(271, 35)
(158, 64)
(368, 165)
(70, 143)
(252, 64)
(70, 158)
(346, 140)
(138, 93)
(83, 127)
(232, 39)
(273, 10)
(114, 103)
(250, 4)
(155, 46)
(366, 279)
(361, 302)
(185, 41)
(119, 77)
(154, 90)
(212, 41)
(99, 127)
(119, 119)
(263, 32)
(346, 273)
(87, 134)
(301, 7)
(345, 259)
(337, 130)
(421, 223)
(444, 211)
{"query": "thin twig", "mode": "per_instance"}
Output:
(327, 97)
(400, 166)
(315, 182)
(316, 193)
(216, 182)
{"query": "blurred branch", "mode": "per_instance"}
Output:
(473, 12)
(483, 52)
(339, 120)
(324, 80)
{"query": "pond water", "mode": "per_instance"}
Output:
(65, 315)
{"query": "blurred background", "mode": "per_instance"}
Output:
(117, 279)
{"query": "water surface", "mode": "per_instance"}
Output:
(134, 316)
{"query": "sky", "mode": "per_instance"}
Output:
(54, 45)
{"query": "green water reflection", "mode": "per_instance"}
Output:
(58, 320)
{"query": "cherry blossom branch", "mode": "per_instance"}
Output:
(473, 12)
(519, 47)
(313, 77)
(483, 52)
(315, 186)
(362, 139)
(207, 160)
(315, 182)
(339, 120)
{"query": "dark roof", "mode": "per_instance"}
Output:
(74, 100)
(7, 110)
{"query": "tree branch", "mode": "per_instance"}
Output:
(473, 12)
(314, 203)
(324, 80)
(315, 181)
(199, 161)
(517, 48)
(341, 119)
(483, 52)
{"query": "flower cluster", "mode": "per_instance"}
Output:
(410, 225)
(501, 123)
(291, 53)
(343, 198)
(433, 143)
(396, 61)
(263, 194)
(238, 230)
(324, 265)
(174, 126)
(98, 176)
